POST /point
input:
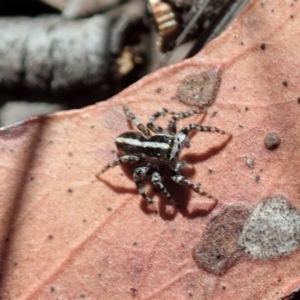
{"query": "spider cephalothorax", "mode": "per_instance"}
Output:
(161, 149)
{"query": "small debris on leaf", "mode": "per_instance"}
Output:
(272, 141)
(257, 178)
(250, 163)
(133, 291)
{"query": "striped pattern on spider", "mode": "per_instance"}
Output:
(154, 148)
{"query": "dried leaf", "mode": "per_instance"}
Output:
(66, 235)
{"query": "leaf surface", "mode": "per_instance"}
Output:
(66, 235)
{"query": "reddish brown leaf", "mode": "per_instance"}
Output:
(66, 235)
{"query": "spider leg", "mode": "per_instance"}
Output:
(179, 116)
(179, 165)
(185, 130)
(156, 128)
(139, 175)
(156, 179)
(131, 117)
(128, 159)
(195, 187)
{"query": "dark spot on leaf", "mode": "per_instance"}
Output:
(263, 46)
(213, 114)
(219, 251)
(133, 291)
(200, 89)
(272, 141)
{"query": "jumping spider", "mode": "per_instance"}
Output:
(154, 153)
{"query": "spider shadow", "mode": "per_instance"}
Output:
(179, 193)
(117, 188)
(181, 196)
(128, 170)
(212, 151)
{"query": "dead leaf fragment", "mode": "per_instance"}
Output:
(219, 250)
(200, 88)
(48, 185)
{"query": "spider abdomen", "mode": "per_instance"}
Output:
(156, 146)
